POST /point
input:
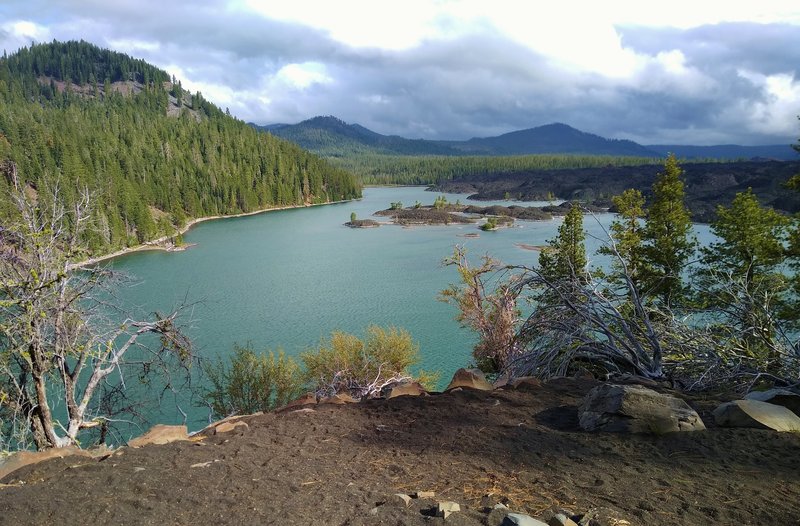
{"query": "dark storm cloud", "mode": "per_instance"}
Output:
(769, 49)
(475, 85)
(728, 54)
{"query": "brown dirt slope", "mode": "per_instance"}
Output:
(340, 465)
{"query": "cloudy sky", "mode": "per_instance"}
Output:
(687, 72)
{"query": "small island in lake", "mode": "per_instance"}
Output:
(440, 213)
(363, 223)
(444, 213)
(424, 216)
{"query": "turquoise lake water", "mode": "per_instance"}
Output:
(286, 279)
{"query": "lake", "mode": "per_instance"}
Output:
(285, 279)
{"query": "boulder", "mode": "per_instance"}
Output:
(20, 459)
(522, 382)
(788, 399)
(520, 519)
(306, 399)
(561, 519)
(602, 517)
(222, 426)
(402, 498)
(226, 427)
(444, 509)
(636, 409)
(753, 413)
(160, 434)
(406, 389)
(469, 379)
(339, 399)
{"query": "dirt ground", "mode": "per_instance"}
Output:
(341, 465)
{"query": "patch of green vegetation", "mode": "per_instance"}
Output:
(74, 115)
(404, 169)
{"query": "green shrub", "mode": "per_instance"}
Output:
(490, 224)
(252, 382)
(348, 364)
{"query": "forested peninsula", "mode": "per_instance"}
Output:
(152, 155)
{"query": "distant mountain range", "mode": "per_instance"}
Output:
(330, 136)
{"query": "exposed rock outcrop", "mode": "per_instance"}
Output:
(636, 409)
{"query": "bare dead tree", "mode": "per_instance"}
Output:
(584, 318)
(493, 314)
(57, 350)
(607, 324)
(357, 386)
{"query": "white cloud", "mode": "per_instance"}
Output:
(132, 46)
(574, 34)
(301, 76)
(359, 23)
(776, 112)
(19, 33)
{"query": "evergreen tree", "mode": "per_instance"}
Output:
(628, 235)
(742, 273)
(792, 309)
(667, 236)
(565, 256)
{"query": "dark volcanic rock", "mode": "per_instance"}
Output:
(707, 184)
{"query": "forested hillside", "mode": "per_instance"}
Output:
(436, 169)
(73, 115)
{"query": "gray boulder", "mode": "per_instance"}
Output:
(788, 399)
(636, 409)
(520, 519)
(469, 379)
(756, 414)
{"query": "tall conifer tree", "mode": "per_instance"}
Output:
(668, 238)
(565, 257)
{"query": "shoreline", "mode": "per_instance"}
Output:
(158, 244)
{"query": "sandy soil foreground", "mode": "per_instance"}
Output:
(342, 465)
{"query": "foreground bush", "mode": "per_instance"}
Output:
(249, 382)
(361, 368)
(252, 382)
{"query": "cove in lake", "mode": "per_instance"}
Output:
(286, 279)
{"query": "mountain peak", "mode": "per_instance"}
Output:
(329, 135)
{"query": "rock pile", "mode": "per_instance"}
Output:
(427, 505)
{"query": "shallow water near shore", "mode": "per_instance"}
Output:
(285, 279)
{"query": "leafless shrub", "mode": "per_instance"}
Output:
(493, 315)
